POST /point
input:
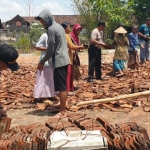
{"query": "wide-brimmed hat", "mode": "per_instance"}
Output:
(120, 30)
(8, 55)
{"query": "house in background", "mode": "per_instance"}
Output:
(23, 24)
(18, 24)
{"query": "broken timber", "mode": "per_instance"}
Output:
(114, 99)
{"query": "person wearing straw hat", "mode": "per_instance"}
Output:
(8, 56)
(121, 43)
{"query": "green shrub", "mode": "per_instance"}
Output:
(35, 33)
(22, 44)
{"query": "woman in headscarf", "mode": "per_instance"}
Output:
(77, 28)
(121, 43)
(71, 48)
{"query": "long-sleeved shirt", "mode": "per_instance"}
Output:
(121, 43)
(57, 44)
(134, 42)
(71, 47)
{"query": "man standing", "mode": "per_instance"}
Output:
(8, 56)
(94, 52)
(57, 49)
(144, 33)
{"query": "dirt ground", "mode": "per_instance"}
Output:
(29, 116)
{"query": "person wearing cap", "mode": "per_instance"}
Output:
(144, 36)
(8, 56)
(121, 43)
(58, 51)
(94, 52)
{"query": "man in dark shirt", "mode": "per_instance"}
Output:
(8, 56)
(144, 34)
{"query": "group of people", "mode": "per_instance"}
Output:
(59, 62)
(126, 49)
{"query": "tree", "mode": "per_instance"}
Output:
(35, 33)
(113, 12)
(141, 9)
(29, 6)
(84, 8)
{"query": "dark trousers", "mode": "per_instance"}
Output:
(94, 62)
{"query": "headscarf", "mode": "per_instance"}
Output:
(73, 33)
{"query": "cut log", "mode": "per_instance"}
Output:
(115, 98)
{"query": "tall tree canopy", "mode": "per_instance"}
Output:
(113, 12)
(141, 9)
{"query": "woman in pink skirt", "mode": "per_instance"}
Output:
(44, 87)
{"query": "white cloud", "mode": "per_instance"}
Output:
(9, 9)
(54, 7)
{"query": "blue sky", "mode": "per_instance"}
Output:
(10, 8)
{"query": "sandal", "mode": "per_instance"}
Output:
(71, 93)
(119, 75)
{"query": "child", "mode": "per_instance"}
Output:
(44, 87)
(133, 62)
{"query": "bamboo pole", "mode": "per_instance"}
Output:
(114, 99)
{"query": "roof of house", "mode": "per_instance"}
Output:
(17, 17)
(71, 19)
(29, 19)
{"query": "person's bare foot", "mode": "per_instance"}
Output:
(57, 106)
(3, 112)
(59, 115)
(119, 75)
(54, 109)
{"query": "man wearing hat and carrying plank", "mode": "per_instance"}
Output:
(8, 56)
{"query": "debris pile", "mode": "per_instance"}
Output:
(16, 89)
(31, 137)
(122, 136)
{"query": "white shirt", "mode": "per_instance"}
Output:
(42, 42)
(97, 35)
